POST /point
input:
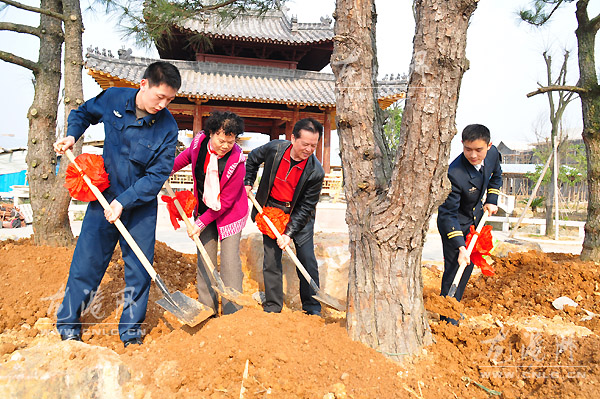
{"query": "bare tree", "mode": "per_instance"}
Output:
(391, 197)
(588, 89)
(557, 102)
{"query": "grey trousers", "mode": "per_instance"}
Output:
(230, 269)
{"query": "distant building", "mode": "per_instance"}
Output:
(13, 169)
(266, 68)
(517, 163)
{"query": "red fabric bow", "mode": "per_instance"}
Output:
(279, 218)
(483, 246)
(93, 166)
(186, 200)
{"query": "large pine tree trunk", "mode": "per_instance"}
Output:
(590, 104)
(389, 210)
(50, 223)
(73, 96)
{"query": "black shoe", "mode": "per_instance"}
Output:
(133, 341)
(313, 313)
(71, 337)
(448, 320)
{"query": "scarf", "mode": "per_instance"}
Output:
(212, 188)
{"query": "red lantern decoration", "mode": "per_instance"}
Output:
(186, 200)
(92, 166)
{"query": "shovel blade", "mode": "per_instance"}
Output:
(186, 309)
(330, 301)
(233, 295)
(452, 290)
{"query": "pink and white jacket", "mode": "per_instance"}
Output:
(232, 216)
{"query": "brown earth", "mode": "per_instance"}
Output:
(511, 341)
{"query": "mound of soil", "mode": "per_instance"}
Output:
(511, 340)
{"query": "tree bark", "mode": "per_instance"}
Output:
(73, 98)
(49, 224)
(389, 209)
(590, 104)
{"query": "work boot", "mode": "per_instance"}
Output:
(71, 337)
(133, 341)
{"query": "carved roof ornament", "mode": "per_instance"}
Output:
(125, 54)
(274, 26)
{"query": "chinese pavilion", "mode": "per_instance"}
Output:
(264, 68)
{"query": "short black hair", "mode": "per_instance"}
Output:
(231, 123)
(476, 132)
(310, 124)
(160, 72)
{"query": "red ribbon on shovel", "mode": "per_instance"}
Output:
(279, 218)
(93, 166)
(186, 200)
(483, 246)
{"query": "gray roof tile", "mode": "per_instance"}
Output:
(274, 27)
(239, 82)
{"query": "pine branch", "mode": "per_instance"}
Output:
(15, 59)
(218, 5)
(31, 30)
(575, 89)
(34, 9)
(538, 17)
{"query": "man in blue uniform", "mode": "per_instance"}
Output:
(139, 151)
(473, 174)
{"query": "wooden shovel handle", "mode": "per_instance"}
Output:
(474, 238)
(205, 256)
(291, 253)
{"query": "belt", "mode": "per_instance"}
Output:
(285, 204)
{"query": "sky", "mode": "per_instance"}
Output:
(505, 64)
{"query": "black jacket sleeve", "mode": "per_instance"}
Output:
(448, 223)
(305, 207)
(495, 183)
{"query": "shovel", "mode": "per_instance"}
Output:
(319, 295)
(228, 293)
(186, 309)
(463, 266)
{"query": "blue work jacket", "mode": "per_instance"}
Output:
(138, 154)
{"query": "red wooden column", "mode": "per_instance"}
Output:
(197, 126)
(319, 151)
(327, 142)
(289, 127)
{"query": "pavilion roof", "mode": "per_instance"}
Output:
(234, 82)
(273, 27)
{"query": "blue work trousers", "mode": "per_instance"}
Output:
(92, 255)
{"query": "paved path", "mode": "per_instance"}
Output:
(330, 218)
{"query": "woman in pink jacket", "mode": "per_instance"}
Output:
(218, 170)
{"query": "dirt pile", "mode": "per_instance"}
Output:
(291, 355)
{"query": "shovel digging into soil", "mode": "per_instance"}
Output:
(228, 293)
(463, 266)
(320, 296)
(186, 309)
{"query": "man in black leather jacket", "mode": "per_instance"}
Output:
(291, 181)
